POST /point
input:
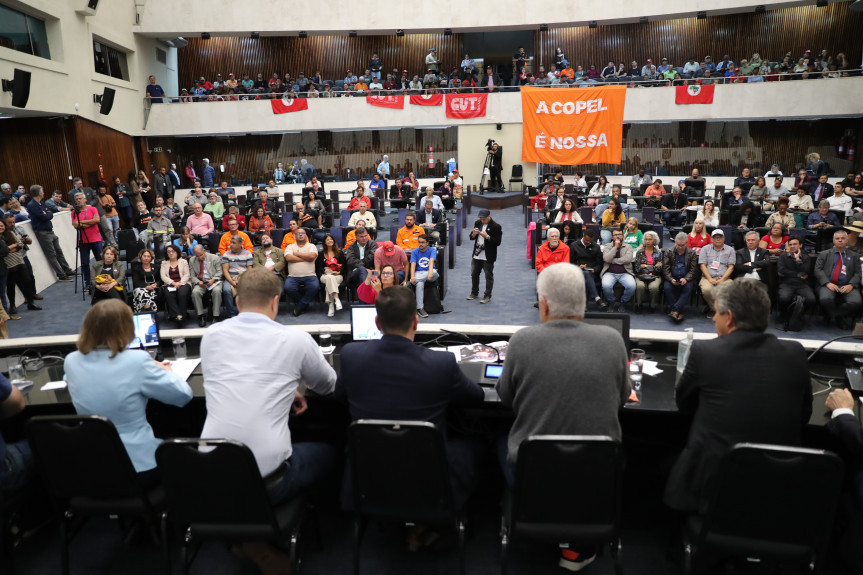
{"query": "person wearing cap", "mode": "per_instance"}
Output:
(487, 235)
(431, 62)
(231, 83)
(837, 272)
(389, 254)
(725, 65)
(854, 243)
(206, 85)
(716, 261)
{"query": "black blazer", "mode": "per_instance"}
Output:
(850, 433)
(790, 270)
(746, 386)
(435, 217)
(495, 233)
(393, 378)
(352, 255)
(760, 264)
(812, 187)
(589, 256)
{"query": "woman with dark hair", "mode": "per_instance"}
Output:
(175, 275)
(599, 190)
(104, 378)
(260, 221)
(776, 240)
(368, 290)
(568, 233)
(109, 276)
(612, 218)
(746, 217)
(312, 202)
(133, 187)
(567, 212)
(331, 271)
(145, 282)
(16, 270)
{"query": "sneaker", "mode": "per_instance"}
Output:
(65, 279)
(472, 296)
(603, 305)
(338, 304)
(332, 311)
(485, 299)
(422, 312)
(12, 316)
(574, 561)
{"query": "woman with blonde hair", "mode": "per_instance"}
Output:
(632, 235)
(105, 378)
(109, 276)
(648, 271)
(698, 237)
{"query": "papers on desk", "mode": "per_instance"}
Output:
(54, 385)
(649, 368)
(184, 367)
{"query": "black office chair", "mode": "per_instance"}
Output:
(219, 495)
(555, 500)
(400, 473)
(88, 473)
(763, 505)
(516, 175)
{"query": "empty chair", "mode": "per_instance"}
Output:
(87, 472)
(763, 505)
(555, 500)
(516, 175)
(399, 472)
(218, 494)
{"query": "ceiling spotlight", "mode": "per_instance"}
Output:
(254, 35)
(760, 9)
(543, 27)
(304, 34)
(821, 3)
(701, 15)
(400, 33)
(447, 31)
(643, 20)
(205, 35)
(352, 33)
(592, 25)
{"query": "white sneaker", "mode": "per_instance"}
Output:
(331, 311)
(338, 304)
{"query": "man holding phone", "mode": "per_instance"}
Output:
(586, 254)
(486, 235)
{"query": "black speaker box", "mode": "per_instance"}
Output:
(107, 101)
(20, 88)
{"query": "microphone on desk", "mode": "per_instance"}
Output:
(471, 342)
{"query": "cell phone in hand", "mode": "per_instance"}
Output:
(375, 273)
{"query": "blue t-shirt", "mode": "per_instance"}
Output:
(5, 392)
(423, 259)
(156, 92)
(376, 184)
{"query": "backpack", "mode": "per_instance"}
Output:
(431, 299)
(794, 314)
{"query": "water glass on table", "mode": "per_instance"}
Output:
(636, 370)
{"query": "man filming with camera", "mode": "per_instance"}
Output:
(495, 165)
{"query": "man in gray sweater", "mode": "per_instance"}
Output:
(563, 377)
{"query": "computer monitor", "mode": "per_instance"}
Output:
(363, 326)
(616, 321)
(146, 331)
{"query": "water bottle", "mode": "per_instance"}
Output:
(683, 349)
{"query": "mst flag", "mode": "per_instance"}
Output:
(570, 127)
(466, 105)
(289, 105)
(694, 94)
(426, 99)
(386, 101)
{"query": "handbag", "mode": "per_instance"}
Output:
(646, 278)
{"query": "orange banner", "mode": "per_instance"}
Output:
(572, 126)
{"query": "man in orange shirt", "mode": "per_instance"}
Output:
(233, 230)
(654, 194)
(408, 236)
(289, 237)
(568, 73)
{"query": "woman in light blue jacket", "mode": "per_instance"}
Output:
(109, 380)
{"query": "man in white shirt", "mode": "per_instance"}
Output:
(302, 285)
(437, 203)
(840, 200)
(250, 400)
(363, 215)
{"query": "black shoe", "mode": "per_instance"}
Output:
(536, 305)
(298, 311)
(34, 307)
(422, 312)
(615, 307)
(637, 308)
(217, 318)
(202, 321)
(37, 296)
(65, 279)
(603, 305)
(13, 310)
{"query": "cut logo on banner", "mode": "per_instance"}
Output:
(466, 105)
(569, 127)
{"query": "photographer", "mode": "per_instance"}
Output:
(495, 165)
(486, 235)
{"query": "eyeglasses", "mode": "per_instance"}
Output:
(386, 273)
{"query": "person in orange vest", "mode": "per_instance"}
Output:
(408, 236)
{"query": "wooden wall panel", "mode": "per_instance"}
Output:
(771, 34)
(98, 145)
(32, 152)
(331, 55)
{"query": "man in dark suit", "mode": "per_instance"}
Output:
(393, 378)
(820, 190)
(728, 404)
(360, 258)
(586, 254)
(793, 272)
(495, 167)
(164, 186)
(429, 219)
(486, 236)
(846, 427)
(490, 81)
(752, 261)
(837, 272)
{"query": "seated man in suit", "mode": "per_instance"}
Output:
(793, 272)
(674, 201)
(206, 271)
(728, 405)
(820, 190)
(269, 204)
(392, 378)
(837, 272)
(429, 218)
(846, 427)
(679, 271)
(752, 261)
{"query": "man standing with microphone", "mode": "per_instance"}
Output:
(486, 235)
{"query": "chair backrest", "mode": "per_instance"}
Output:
(394, 233)
(399, 470)
(763, 500)
(338, 236)
(553, 495)
(197, 481)
(213, 240)
(517, 170)
(344, 217)
(277, 235)
(82, 456)
(648, 214)
(586, 214)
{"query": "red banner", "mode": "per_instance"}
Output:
(289, 105)
(386, 101)
(466, 105)
(694, 94)
(427, 100)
